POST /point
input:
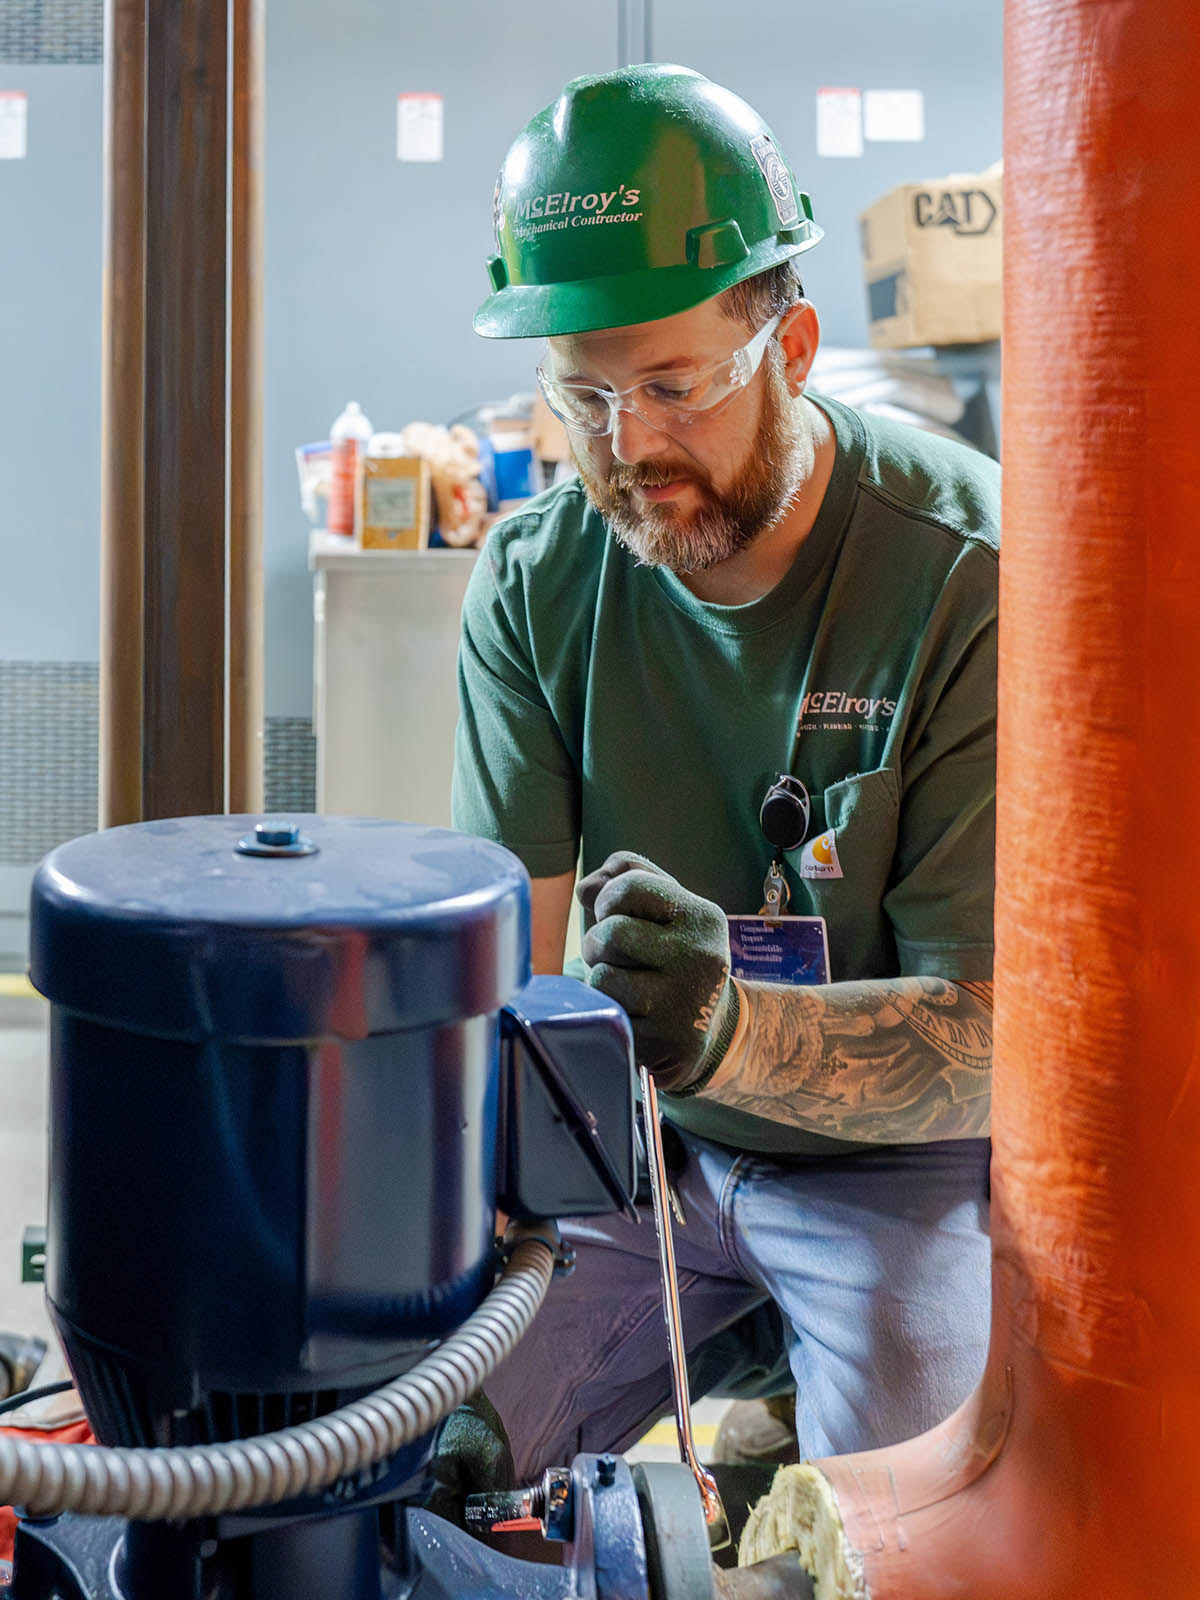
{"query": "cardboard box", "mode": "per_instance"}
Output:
(393, 500)
(932, 260)
(549, 436)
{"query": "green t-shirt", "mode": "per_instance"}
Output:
(605, 708)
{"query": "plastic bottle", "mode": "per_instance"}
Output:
(348, 438)
(510, 434)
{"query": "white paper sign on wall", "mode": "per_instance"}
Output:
(14, 104)
(419, 127)
(839, 122)
(894, 114)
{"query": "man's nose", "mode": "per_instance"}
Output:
(634, 439)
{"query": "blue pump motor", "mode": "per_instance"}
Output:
(295, 1070)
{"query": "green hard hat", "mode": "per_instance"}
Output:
(635, 195)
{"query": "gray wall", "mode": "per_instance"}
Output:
(50, 255)
(373, 268)
(778, 53)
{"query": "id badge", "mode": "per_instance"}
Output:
(779, 949)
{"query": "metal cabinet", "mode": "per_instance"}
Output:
(384, 677)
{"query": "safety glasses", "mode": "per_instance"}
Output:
(667, 400)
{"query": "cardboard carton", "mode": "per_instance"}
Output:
(932, 261)
(393, 509)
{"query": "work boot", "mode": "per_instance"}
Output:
(780, 1578)
(20, 1357)
(758, 1432)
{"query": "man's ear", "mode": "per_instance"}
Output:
(799, 335)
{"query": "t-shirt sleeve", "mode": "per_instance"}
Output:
(941, 893)
(514, 779)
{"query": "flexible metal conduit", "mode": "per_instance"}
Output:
(208, 1480)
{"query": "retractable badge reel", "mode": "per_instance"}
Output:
(773, 946)
(784, 817)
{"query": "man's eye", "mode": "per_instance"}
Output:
(674, 389)
(579, 394)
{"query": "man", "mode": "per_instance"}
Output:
(744, 591)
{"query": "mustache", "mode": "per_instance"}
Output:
(647, 475)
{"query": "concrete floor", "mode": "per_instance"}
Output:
(24, 1061)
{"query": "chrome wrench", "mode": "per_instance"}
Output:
(710, 1499)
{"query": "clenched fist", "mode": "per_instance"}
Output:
(662, 953)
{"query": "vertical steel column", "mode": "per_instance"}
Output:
(245, 699)
(187, 45)
(123, 340)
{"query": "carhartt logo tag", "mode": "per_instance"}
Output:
(819, 858)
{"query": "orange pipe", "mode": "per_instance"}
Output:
(1072, 1472)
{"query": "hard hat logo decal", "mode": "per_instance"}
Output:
(545, 213)
(496, 211)
(819, 858)
(774, 170)
(562, 204)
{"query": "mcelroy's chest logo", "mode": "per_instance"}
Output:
(831, 710)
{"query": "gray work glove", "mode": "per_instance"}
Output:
(662, 953)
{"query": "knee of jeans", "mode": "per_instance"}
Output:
(747, 1360)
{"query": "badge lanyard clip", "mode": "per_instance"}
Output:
(777, 947)
(776, 894)
(784, 817)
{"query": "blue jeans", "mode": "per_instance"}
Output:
(878, 1263)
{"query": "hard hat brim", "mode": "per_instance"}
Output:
(539, 311)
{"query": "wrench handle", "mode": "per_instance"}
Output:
(714, 1511)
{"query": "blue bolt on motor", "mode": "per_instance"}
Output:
(296, 1070)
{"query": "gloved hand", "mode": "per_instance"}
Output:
(471, 1455)
(662, 953)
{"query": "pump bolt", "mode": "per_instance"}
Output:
(275, 840)
(272, 834)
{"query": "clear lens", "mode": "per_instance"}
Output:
(580, 406)
(668, 401)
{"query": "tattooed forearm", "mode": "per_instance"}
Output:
(893, 1060)
(981, 991)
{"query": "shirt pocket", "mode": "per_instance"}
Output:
(842, 872)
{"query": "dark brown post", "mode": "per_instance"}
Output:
(184, 670)
(245, 410)
(122, 458)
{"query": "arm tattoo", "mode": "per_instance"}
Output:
(885, 1060)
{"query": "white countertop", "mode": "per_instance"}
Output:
(331, 552)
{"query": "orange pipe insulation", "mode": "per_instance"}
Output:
(1072, 1473)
